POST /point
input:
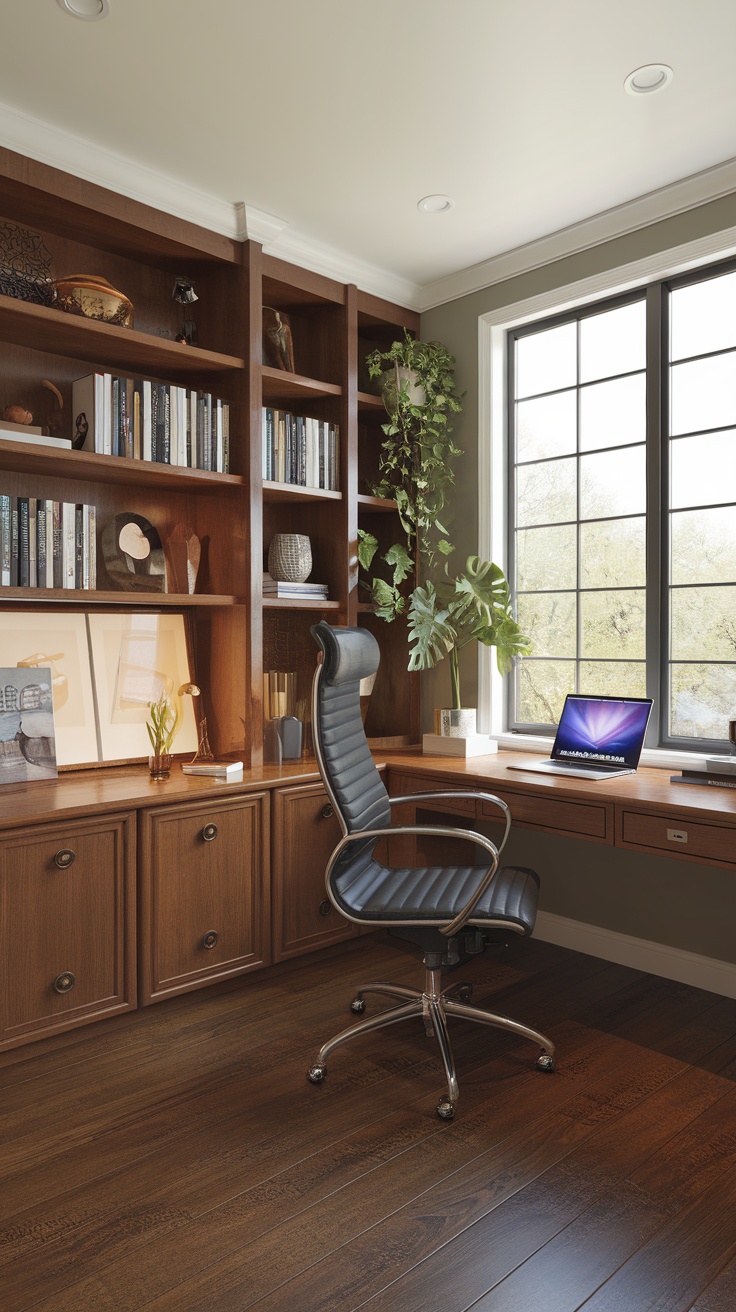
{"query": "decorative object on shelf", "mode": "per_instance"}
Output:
(94, 298)
(184, 291)
(163, 726)
(25, 265)
(56, 423)
(277, 339)
(290, 557)
(17, 414)
(290, 733)
(204, 754)
(283, 733)
(159, 765)
(133, 555)
(138, 659)
(185, 551)
(27, 736)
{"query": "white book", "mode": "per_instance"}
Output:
(33, 438)
(68, 543)
(219, 769)
(146, 421)
(174, 453)
(32, 544)
(192, 428)
(5, 545)
(219, 439)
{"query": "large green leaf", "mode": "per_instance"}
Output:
(402, 562)
(367, 548)
(431, 634)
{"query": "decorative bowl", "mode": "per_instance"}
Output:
(94, 298)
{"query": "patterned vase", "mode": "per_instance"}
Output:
(290, 557)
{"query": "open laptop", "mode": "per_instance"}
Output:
(597, 737)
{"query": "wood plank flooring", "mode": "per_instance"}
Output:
(176, 1158)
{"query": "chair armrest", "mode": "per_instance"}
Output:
(456, 792)
(440, 831)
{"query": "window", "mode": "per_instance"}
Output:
(622, 506)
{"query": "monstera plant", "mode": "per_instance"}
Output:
(447, 610)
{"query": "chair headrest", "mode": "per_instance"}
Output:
(349, 654)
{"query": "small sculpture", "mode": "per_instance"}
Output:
(17, 414)
(185, 551)
(277, 339)
(133, 555)
(184, 291)
(93, 297)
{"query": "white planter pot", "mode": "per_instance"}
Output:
(396, 380)
(461, 723)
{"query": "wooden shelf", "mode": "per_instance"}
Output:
(277, 385)
(294, 492)
(368, 402)
(383, 504)
(61, 462)
(45, 329)
(296, 603)
(98, 597)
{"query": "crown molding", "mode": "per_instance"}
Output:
(106, 168)
(665, 203)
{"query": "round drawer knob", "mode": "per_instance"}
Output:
(64, 983)
(64, 858)
(210, 939)
(209, 833)
(327, 811)
(325, 907)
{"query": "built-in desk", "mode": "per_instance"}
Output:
(643, 812)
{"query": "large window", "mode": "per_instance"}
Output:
(622, 506)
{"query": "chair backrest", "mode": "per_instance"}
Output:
(346, 765)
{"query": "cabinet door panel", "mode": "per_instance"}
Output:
(306, 831)
(67, 925)
(204, 894)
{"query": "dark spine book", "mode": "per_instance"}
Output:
(301, 451)
(58, 546)
(115, 414)
(32, 544)
(269, 445)
(24, 546)
(78, 546)
(225, 438)
(14, 543)
(41, 544)
(165, 409)
(137, 421)
(5, 543)
(128, 395)
(122, 417)
(704, 780)
(154, 422)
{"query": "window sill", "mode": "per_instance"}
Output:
(659, 758)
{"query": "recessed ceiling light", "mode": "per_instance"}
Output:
(88, 10)
(650, 77)
(435, 204)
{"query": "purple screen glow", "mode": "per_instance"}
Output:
(611, 732)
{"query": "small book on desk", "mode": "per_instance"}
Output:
(218, 769)
(722, 778)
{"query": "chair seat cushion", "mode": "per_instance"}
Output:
(435, 894)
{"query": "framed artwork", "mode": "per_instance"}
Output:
(57, 641)
(136, 658)
(27, 746)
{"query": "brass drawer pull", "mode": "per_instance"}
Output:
(325, 907)
(209, 833)
(64, 858)
(327, 811)
(210, 939)
(64, 983)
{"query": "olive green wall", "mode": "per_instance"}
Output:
(672, 902)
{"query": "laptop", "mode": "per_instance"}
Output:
(597, 737)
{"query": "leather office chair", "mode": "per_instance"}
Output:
(449, 911)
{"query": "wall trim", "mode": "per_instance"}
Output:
(641, 954)
(665, 203)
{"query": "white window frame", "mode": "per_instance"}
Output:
(493, 445)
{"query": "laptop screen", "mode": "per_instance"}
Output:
(605, 731)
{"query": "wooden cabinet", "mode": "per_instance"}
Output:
(305, 833)
(678, 836)
(67, 926)
(203, 893)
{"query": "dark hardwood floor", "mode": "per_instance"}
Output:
(176, 1159)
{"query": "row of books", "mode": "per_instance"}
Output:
(47, 544)
(285, 588)
(299, 450)
(144, 420)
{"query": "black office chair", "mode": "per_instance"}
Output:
(449, 911)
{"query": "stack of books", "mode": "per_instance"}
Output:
(306, 591)
(718, 772)
(47, 544)
(30, 433)
(302, 451)
(145, 420)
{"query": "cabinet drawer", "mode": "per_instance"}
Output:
(204, 899)
(579, 819)
(305, 834)
(67, 926)
(678, 837)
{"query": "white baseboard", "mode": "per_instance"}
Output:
(639, 953)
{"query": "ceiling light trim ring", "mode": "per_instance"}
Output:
(648, 79)
(89, 11)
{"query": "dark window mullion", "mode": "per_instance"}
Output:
(578, 561)
(656, 507)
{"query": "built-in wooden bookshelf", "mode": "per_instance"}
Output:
(236, 633)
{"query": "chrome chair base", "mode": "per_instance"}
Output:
(433, 1006)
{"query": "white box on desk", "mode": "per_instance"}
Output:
(477, 744)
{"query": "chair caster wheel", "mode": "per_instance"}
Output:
(357, 1006)
(316, 1074)
(446, 1109)
(545, 1062)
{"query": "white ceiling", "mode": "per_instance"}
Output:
(336, 116)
